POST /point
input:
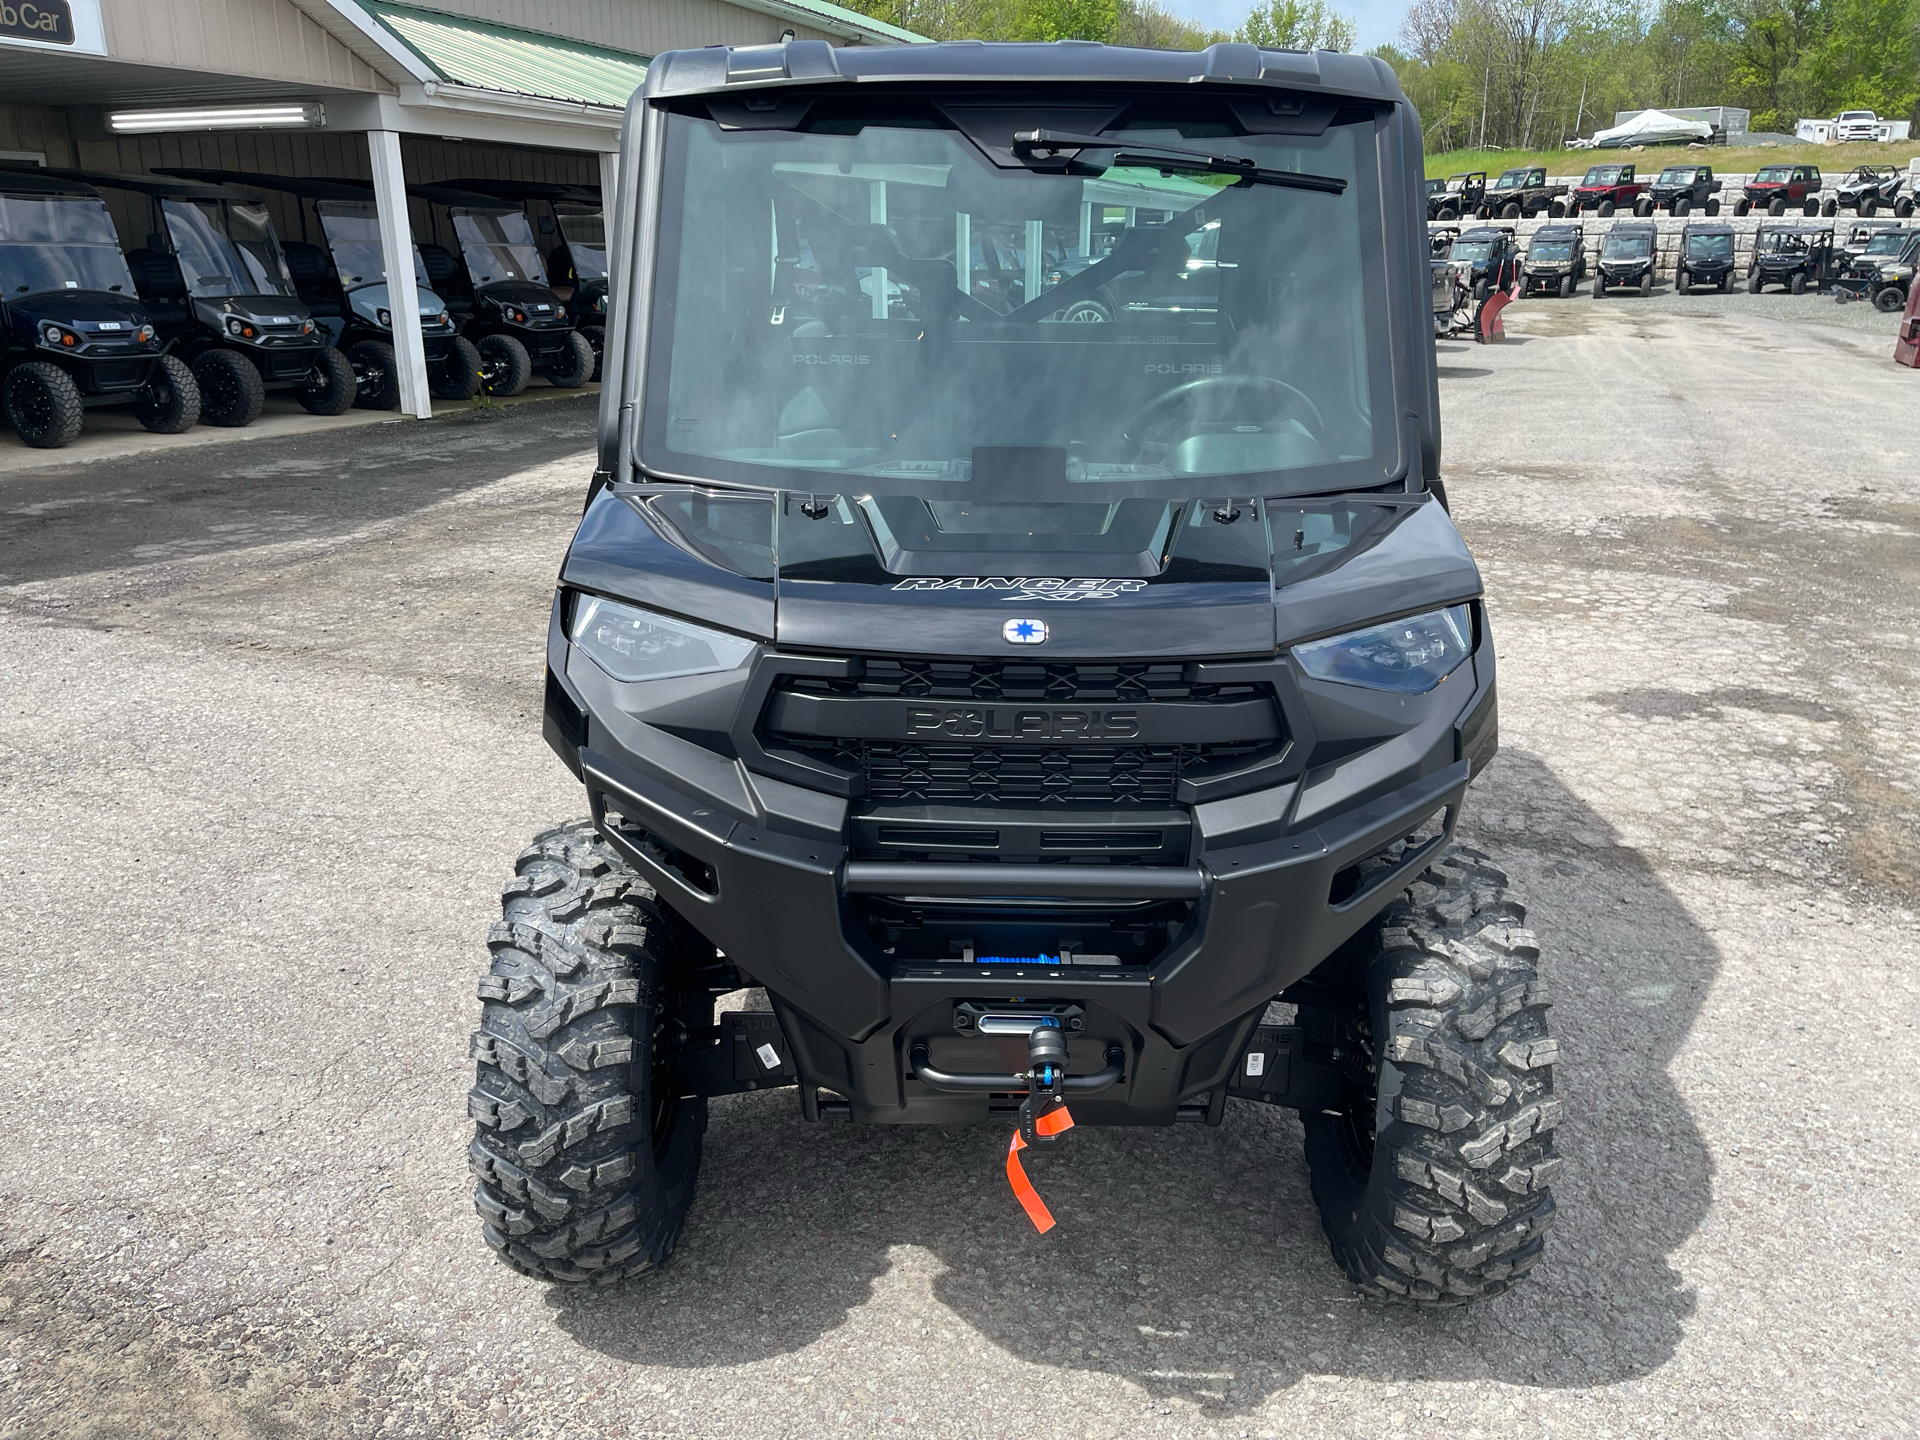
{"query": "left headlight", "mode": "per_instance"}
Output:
(632, 644)
(385, 317)
(1410, 656)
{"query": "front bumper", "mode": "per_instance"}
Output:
(766, 870)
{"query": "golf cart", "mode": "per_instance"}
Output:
(1627, 258)
(1556, 260)
(1799, 257)
(1706, 256)
(214, 279)
(343, 281)
(1868, 189)
(496, 286)
(73, 333)
(1883, 272)
(577, 265)
(927, 666)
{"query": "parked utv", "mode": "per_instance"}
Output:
(1800, 257)
(1680, 190)
(214, 279)
(1858, 236)
(72, 332)
(928, 667)
(1607, 188)
(1869, 189)
(577, 265)
(1556, 260)
(1485, 250)
(497, 288)
(1706, 256)
(1463, 195)
(1526, 192)
(1778, 188)
(1883, 272)
(344, 283)
(1628, 258)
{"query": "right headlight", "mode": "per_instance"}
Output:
(632, 644)
(1410, 656)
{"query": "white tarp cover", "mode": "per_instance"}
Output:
(1652, 127)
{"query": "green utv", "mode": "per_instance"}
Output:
(1024, 693)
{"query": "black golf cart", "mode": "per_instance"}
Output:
(343, 281)
(1706, 256)
(214, 278)
(73, 332)
(496, 286)
(577, 261)
(1627, 258)
(1799, 257)
(1556, 260)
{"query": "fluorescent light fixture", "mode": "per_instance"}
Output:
(226, 117)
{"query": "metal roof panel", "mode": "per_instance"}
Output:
(520, 62)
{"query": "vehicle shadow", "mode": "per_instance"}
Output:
(1191, 1261)
(72, 518)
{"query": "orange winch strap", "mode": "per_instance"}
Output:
(1054, 1121)
(1023, 1190)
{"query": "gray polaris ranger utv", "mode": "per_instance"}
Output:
(1016, 624)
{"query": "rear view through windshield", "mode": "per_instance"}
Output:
(886, 302)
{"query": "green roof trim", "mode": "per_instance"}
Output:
(503, 57)
(831, 17)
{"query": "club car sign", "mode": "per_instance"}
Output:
(54, 24)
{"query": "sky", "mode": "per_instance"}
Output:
(1378, 20)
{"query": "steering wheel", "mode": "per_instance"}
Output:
(1227, 397)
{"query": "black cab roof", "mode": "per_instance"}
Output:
(1707, 227)
(158, 186)
(37, 180)
(307, 188)
(1559, 232)
(530, 190)
(1634, 227)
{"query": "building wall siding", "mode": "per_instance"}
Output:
(263, 38)
(645, 27)
(37, 128)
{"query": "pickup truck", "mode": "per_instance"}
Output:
(1607, 188)
(1526, 192)
(1780, 187)
(1680, 190)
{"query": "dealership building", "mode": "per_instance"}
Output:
(368, 90)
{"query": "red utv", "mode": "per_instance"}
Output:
(1607, 188)
(1778, 188)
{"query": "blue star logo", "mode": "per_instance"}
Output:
(1025, 632)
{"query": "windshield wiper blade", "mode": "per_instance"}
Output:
(1153, 153)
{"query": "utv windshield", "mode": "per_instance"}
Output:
(876, 298)
(1887, 242)
(59, 242)
(1774, 175)
(1605, 174)
(353, 235)
(226, 249)
(1710, 247)
(585, 231)
(1676, 177)
(498, 245)
(1627, 247)
(1515, 180)
(1553, 250)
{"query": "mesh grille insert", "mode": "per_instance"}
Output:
(1120, 682)
(901, 772)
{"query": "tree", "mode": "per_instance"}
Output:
(1296, 25)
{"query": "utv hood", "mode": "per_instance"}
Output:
(87, 311)
(1276, 572)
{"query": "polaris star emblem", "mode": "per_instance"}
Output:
(1025, 632)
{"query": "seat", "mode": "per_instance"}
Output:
(157, 278)
(447, 277)
(313, 277)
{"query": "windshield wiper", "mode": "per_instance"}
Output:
(1174, 157)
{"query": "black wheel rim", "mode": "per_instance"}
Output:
(1353, 1117)
(669, 1041)
(32, 406)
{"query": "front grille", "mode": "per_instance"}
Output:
(904, 773)
(119, 374)
(1121, 682)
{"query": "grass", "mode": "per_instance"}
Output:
(1832, 159)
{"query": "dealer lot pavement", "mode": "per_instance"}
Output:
(269, 740)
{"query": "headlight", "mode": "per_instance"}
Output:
(518, 317)
(559, 312)
(306, 327)
(632, 644)
(1410, 656)
(144, 334)
(385, 317)
(233, 326)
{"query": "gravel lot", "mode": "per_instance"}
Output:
(1772, 306)
(269, 742)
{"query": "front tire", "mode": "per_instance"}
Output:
(1599, 288)
(1682, 207)
(329, 388)
(1566, 286)
(505, 366)
(42, 405)
(1680, 282)
(169, 403)
(1646, 284)
(596, 336)
(1798, 284)
(1829, 210)
(1888, 300)
(575, 365)
(586, 1155)
(1606, 209)
(1432, 1173)
(457, 376)
(232, 394)
(376, 376)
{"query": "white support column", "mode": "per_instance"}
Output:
(963, 251)
(396, 253)
(877, 214)
(1036, 239)
(1086, 229)
(609, 185)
